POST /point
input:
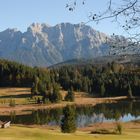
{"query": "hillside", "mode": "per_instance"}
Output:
(102, 61)
(16, 74)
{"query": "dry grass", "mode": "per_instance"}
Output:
(21, 97)
(110, 126)
(27, 133)
(14, 91)
(82, 98)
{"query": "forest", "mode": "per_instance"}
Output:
(111, 79)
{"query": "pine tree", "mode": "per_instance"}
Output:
(70, 95)
(36, 117)
(34, 89)
(68, 123)
(38, 100)
(130, 91)
(55, 95)
(12, 103)
(102, 90)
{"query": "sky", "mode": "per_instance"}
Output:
(22, 13)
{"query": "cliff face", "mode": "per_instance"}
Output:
(44, 45)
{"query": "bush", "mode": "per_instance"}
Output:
(102, 131)
(118, 128)
(12, 103)
(46, 101)
(70, 96)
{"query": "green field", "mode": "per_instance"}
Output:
(24, 133)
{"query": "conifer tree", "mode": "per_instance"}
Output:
(130, 91)
(68, 122)
(55, 95)
(70, 95)
(102, 90)
(34, 89)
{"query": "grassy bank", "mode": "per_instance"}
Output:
(24, 133)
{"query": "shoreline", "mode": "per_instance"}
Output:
(20, 95)
(78, 101)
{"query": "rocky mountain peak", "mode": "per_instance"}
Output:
(35, 27)
(45, 45)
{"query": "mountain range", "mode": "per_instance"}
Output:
(45, 45)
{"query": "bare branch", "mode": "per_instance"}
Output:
(126, 14)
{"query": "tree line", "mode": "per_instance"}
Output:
(112, 79)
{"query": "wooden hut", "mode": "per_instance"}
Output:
(5, 124)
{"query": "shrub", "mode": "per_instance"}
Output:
(12, 103)
(70, 96)
(102, 131)
(118, 128)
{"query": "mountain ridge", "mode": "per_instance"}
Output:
(45, 45)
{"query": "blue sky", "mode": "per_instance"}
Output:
(21, 13)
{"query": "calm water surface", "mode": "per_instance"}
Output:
(85, 115)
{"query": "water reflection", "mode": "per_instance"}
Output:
(85, 115)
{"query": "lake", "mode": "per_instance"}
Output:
(85, 115)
